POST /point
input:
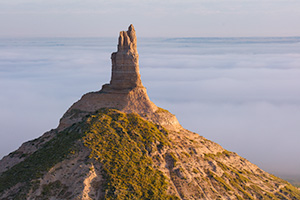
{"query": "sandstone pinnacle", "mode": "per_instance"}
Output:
(125, 63)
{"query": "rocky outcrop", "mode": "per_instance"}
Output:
(125, 91)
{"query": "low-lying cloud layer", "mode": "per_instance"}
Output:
(243, 94)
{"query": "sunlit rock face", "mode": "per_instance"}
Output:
(125, 62)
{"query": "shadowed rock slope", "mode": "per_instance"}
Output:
(116, 144)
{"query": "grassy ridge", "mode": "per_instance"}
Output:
(120, 142)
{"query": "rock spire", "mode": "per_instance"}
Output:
(125, 62)
(125, 91)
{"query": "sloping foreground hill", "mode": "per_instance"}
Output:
(114, 155)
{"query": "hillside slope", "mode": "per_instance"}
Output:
(114, 155)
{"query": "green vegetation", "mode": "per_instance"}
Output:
(239, 197)
(122, 142)
(209, 155)
(227, 153)
(291, 191)
(222, 182)
(196, 171)
(223, 166)
(269, 195)
(186, 154)
(219, 180)
(40, 161)
(161, 110)
(222, 154)
(275, 178)
(258, 192)
(238, 184)
(239, 177)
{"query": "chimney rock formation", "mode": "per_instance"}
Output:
(125, 62)
(125, 91)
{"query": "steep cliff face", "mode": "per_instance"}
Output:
(117, 144)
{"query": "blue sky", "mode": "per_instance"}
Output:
(189, 18)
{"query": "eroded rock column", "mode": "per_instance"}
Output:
(125, 62)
